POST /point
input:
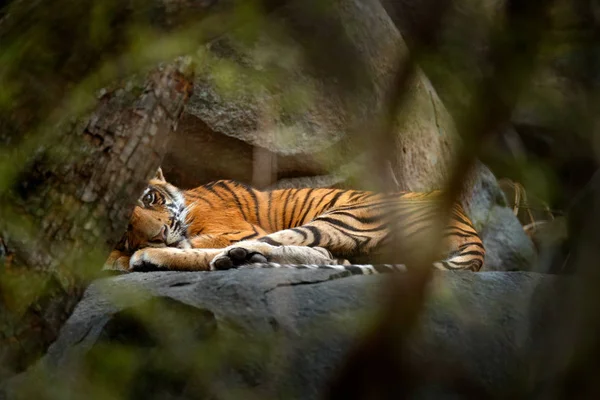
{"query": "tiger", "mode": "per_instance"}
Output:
(228, 224)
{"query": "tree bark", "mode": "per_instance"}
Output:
(73, 203)
(67, 187)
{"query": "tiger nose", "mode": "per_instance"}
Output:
(162, 235)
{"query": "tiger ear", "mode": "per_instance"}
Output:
(159, 175)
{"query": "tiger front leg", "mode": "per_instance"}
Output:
(117, 261)
(172, 259)
(253, 251)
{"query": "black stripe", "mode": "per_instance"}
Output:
(355, 238)
(322, 198)
(459, 216)
(354, 270)
(250, 236)
(348, 227)
(160, 190)
(270, 241)
(306, 196)
(235, 198)
(368, 205)
(254, 200)
(382, 268)
(269, 214)
(334, 200)
(418, 231)
(196, 196)
(356, 194)
(468, 253)
(316, 235)
(276, 213)
(469, 262)
(309, 208)
(461, 230)
(213, 191)
(294, 207)
(462, 235)
(358, 244)
(285, 207)
(362, 220)
(300, 231)
(465, 245)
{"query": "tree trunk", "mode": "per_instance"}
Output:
(73, 202)
(67, 187)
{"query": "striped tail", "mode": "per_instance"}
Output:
(354, 269)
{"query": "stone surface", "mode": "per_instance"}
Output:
(281, 98)
(583, 242)
(283, 333)
(506, 244)
(426, 139)
(197, 155)
(273, 89)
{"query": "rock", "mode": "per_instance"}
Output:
(550, 239)
(284, 333)
(460, 57)
(272, 89)
(309, 182)
(329, 97)
(583, 215)
(197, 155)
(507, 247)
(426, 140)
(506, 244)
(552, 115)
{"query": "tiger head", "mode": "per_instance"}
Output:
(158, 219)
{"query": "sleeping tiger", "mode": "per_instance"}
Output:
(227, 224)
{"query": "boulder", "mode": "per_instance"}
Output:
(309, 85)
(197, 155)
(583, 242)
(263, 333)
(507, 246)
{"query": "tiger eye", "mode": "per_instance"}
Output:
(149, 198)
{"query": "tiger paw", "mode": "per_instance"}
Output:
(117, 261)
(150, 259)
(249, 252)
(244, 252)
(235, 256)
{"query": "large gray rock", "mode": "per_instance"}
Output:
(284, 334)
(583, 242)
(310, 83)
(507, 246)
